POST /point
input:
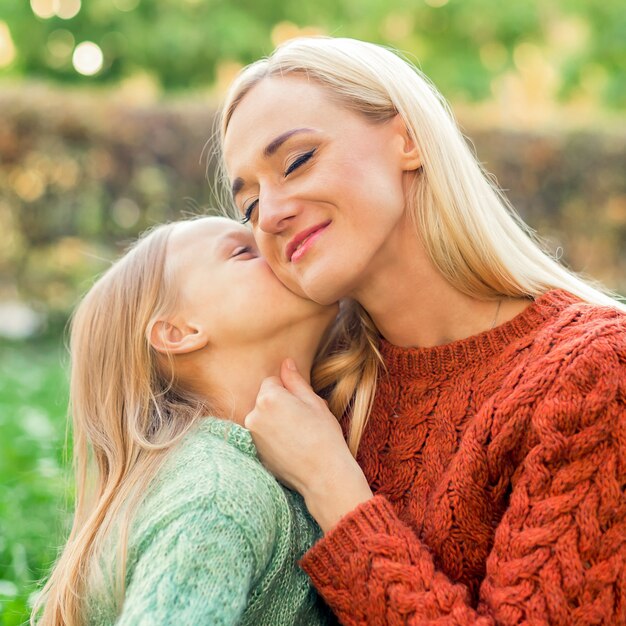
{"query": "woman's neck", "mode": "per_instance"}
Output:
(413, 305)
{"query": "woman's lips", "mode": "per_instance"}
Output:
(301, 248)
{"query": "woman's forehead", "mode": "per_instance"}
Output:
(275, 104)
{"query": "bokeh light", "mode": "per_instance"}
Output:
(27, 184)
(527, 57)
(44, 9)
(493, 55)
(125, 212)
(67, 9)
(568, 35)
(60, 45)
(284, 31)
(225, 73)
(398, 26)
(7, 47)
(87, 58)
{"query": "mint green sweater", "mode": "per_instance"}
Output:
(216, 541)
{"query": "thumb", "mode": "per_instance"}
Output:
(294, 382)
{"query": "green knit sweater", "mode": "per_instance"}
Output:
(216, 541)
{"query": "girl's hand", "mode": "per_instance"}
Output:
(300, 441)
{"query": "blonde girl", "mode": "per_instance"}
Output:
(176, 520)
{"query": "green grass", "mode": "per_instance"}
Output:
(33, 475)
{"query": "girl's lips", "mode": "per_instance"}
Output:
(307, 243)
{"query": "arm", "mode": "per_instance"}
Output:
(559, 554)
(198, 569)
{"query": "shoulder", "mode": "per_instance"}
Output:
(578, 378)
(214, 474)
(571, 372)
(577, 342)
(583, 328)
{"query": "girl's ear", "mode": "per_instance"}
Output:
(168, 338)
(410, 157)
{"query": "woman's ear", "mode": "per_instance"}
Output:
(168, 338)
(410, 157)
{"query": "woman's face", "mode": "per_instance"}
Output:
(324, 188)
(227, 288)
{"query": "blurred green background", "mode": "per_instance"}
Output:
(106, 119)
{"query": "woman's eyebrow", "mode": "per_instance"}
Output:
(238, 184)
(273, 145)
(270, 150)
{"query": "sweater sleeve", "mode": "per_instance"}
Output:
(197, 569)
(559, 551)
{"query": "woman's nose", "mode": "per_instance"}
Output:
(275, 211)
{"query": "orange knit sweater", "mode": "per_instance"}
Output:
(499, 468)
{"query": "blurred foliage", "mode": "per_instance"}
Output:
(572, 50)
(33, 485)
(81, 175)
(570, 188)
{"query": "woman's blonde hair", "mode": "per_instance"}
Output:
(127, 411)
(469, 230)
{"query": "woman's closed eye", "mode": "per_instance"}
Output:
(294, 165)
(247, 212)
(298, 161)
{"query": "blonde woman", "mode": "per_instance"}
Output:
(176, 521)
(493, 462)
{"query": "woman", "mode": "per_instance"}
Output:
(496, 439)
(176, 520)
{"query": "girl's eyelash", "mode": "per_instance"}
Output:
(301, 160)
(242, 250)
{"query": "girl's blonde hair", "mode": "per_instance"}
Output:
(128, 408)
(469, 230)
(127, 411)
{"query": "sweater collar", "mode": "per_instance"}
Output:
(234, 434)
(451, 357)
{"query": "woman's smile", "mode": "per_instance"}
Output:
(303, 241)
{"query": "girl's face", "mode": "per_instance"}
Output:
(324, 188)
(226, 288)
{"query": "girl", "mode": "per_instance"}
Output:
(176, 519)
(496, 439)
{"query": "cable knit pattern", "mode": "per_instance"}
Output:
(499, 467)
(216, 541)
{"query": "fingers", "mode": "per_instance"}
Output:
(269, 383)
(290, 395)
(294, 382)
(271, 396)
